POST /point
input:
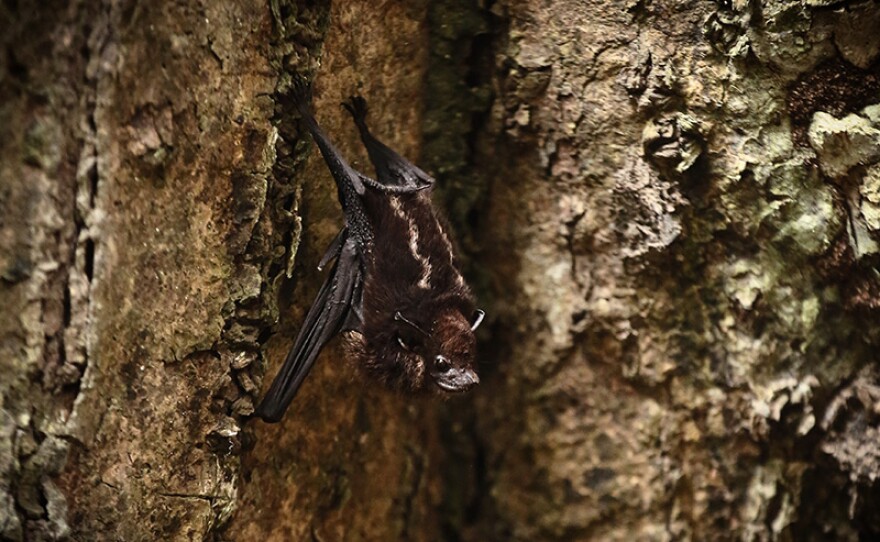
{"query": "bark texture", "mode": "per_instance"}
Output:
(137, 243)
(683, 256)
(670, 210)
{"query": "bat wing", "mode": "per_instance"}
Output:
(393, 171)
(336, 308)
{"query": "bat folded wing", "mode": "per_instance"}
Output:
(335, 308)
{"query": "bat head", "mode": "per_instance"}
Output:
(450, 353)
(443, 353)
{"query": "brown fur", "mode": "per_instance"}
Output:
(391, 285)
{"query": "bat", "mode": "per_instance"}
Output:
(394, 289)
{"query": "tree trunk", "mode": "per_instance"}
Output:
(670, 211)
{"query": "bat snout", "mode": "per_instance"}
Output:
(453, 379)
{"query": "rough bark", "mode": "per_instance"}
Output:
(682, 247)
(137, 154)
(669, 209)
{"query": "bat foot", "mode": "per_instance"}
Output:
(357, 108)
(301, 92)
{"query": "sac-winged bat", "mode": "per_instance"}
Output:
(394, 286)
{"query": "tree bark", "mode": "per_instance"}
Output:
(669, 210)
(683, 264)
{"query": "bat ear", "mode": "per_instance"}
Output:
(401, 318)
(477, 319)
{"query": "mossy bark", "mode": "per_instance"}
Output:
(669, 209)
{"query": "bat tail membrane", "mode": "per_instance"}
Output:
(392, 169)
(327, 316)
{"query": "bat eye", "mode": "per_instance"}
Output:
(442, 364)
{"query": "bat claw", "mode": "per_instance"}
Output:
(301, 92)
(357, 108)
